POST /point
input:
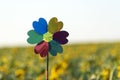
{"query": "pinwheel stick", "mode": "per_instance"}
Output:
(47, 72)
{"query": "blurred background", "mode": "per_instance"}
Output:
(93, 51)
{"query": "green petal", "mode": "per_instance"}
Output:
(54, 25)
(55, 47)
(34, 37)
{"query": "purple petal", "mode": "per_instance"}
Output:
(61, 37)
(42, 48)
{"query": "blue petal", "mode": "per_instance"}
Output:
(40, 26)
(55, 47)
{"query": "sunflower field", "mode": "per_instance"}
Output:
(95, 61)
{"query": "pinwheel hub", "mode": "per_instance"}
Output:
(47, 37)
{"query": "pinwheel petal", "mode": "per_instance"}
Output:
(42, 48)
(55, 47)
(54, 25)
(34, 37)
(40, 26)
(61, 37)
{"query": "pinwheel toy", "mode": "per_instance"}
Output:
(47, 37)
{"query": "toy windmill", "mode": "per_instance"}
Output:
(48, 38)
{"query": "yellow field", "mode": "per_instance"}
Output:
(78, 62)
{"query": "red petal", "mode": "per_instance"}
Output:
(42, 48)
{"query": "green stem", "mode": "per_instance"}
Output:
(47, 72)
(111, 74)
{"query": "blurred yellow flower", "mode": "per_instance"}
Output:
(1, 68)
(53, 74)
(118, 74)
(84, 66)
(4, 59)
(39, 78)
(17, 63)
(113, 52)
(105, 73)
(4, 69)
(118, 68)
(57, 70)
(19, 72)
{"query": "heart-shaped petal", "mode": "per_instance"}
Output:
(42, 48)
(55, 47)
(61, 37)
(54, 25)
(34, 37)
(40, 26)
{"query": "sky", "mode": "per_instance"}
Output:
(85, 20)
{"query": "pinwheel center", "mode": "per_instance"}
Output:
(47, 37)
